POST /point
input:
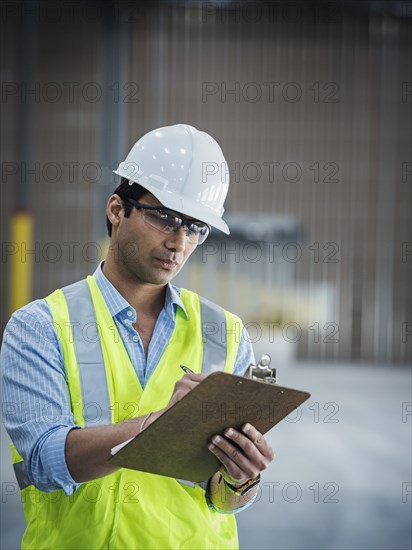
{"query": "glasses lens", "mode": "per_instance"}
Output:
(169, 222)
(197, 233)
(160, 219)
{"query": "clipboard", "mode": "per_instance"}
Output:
(175, 444)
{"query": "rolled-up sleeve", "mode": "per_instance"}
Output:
(36, 401)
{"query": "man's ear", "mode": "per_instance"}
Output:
(114, 210)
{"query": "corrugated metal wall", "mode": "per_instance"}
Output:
(311, 106)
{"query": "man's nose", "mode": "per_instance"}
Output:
(177, 240)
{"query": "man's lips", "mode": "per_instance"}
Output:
(167, 264)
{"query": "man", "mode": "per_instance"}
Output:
(73, 395)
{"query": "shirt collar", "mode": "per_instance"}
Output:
(116, 303)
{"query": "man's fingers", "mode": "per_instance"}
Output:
(256, 454)
(195, 377)
(233, 469)
(183, 386)
(190, 380)
(258, 440)
(244, 454)
(238, 464)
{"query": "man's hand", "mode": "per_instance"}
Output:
(243, 454)
(183, 386)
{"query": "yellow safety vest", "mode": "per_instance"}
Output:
(128, 509)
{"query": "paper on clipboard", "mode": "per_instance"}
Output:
(117, 448)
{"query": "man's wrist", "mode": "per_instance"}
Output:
(242, 488)
(150, 418)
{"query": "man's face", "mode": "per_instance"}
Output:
(145, 253)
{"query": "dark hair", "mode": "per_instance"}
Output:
(125, 191)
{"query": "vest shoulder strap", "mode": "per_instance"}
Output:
(221, 332)
(214, 331)
(89, 355)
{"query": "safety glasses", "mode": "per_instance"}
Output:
(169, 221)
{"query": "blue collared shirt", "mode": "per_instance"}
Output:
(36, 400)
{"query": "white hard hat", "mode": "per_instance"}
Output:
(184, 169)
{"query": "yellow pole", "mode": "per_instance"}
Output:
(21, 260)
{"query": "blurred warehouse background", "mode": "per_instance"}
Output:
(311, 104)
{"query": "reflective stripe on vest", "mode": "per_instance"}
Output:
(89, 356)
(214, 336)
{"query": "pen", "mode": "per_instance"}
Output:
(186, 369)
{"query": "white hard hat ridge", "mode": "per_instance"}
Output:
(184, 168)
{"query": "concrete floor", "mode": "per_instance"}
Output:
(343, 463)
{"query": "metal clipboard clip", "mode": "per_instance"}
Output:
(262, 371)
